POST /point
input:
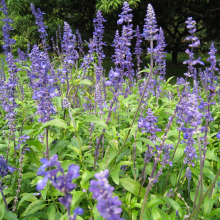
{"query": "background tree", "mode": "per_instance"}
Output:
(171, 16)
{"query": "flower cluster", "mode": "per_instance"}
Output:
(150, 27)
(62, 182)
(122, 56)
(138, 49)
(194, 42)
(4, 167)
(107, 206)
(39, 21)
(42, 83)
(148, 125)
(8, 88)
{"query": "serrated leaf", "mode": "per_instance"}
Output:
(59, 123)
(94, 119)
(78, 196)
(155, 214)
(85, 82)
(211, 156)
(34, 207)
(10, 215)
(51, 212)
(132, 186)
(155, 202)
(208, 204)
(26, 197)
(172, 203)
(146, 141)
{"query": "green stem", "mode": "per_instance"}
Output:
(172, 161)
(196, 210)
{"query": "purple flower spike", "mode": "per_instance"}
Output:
(107, 206)
(4, 168)
(58, 179)
(150, 27)
(77, 211)
(218, 135)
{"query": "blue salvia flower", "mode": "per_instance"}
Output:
(69, 51)
(192, 117)
(148, 126)
(4, 167)
(125, 16)
(107, 205)
(138, 49)
(98, 38)
(77, 211)
(150, 27)
(80, 43)
(69, 45)
(42, 83)
(50, 170)
(194, 42)
(41, 26)
(9, 87)
(122, 56)
(160, 62)
(218, 135)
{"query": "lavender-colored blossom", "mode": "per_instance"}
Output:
(159, 56)
(218, 135)
(102, 191)
(4, 167)
(61, 182)
(138, 49)
(98, 38)
(150, 27)
(22, 139)
(43, 83)
(69, 45)
(122, 56)
(80, 43)
(194, 42)
(148, 125)
(8, 87)
(77, 211)
(41, 26)
(125, 16)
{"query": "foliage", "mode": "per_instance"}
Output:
(76, 144)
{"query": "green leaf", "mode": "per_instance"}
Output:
(115, 174)
(26, 197)
(34, 207)
(172, 203)
(132, 186)
(2, 212)
(208, 204)
(155, 202)
(179, 153)
(156, 214)
(215, 213)
(78, 196)
(146, 141)
(51, 212)
(211, 156)
(59, 123)
(85, 82)
(10, 215)
(87, 175)
(94, 119)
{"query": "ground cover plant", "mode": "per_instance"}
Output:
(76, 144)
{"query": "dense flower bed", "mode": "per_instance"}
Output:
(76, 144)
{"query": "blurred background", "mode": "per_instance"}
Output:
(171, 16)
